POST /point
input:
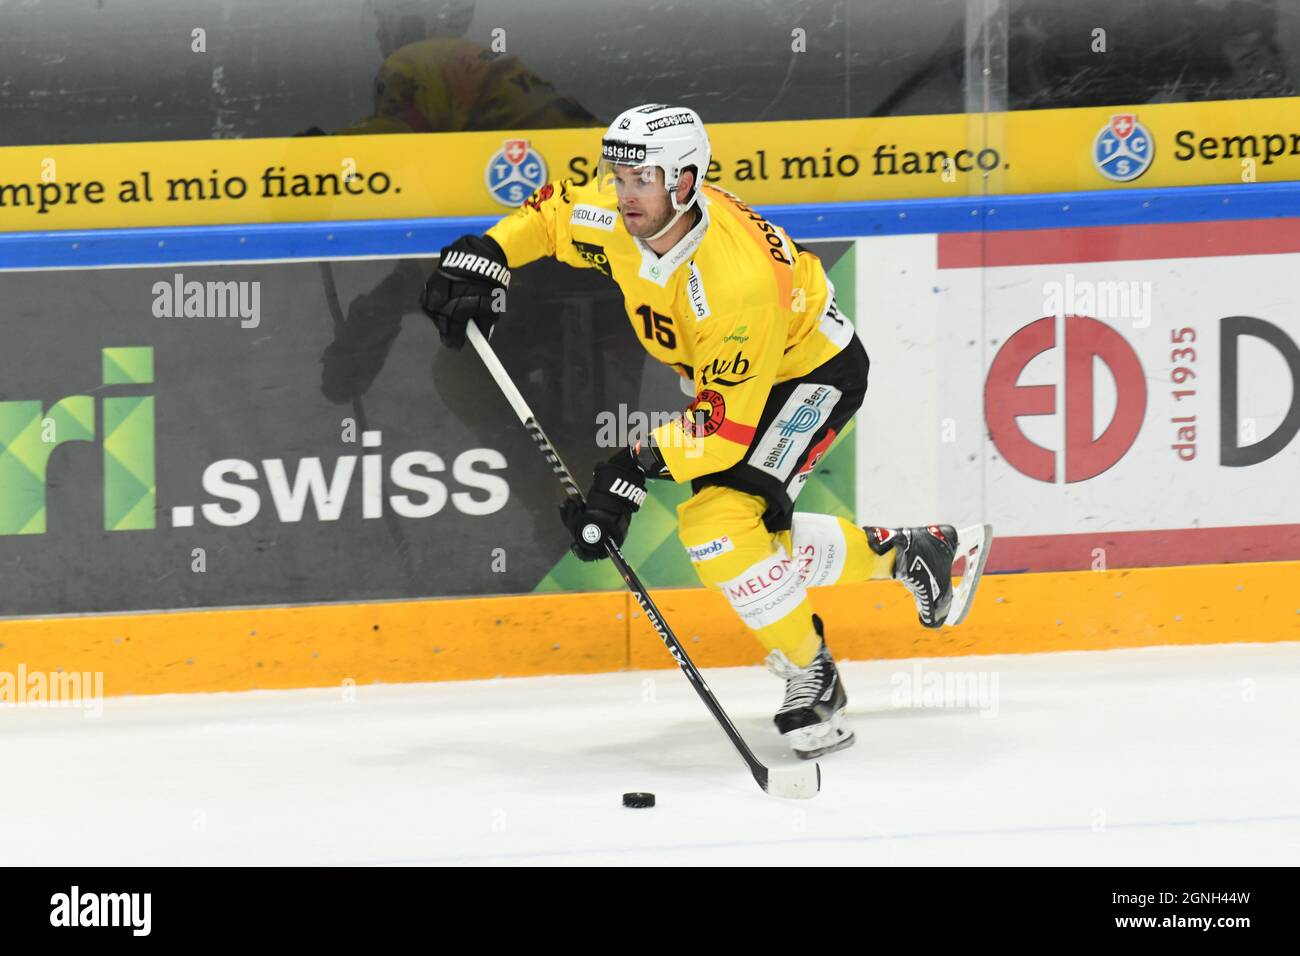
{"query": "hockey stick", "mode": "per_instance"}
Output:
(797, 782)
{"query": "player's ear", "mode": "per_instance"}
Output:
(685, 183)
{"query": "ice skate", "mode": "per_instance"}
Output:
(924, 563)
(812, 717)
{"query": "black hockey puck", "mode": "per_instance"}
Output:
(638, 800)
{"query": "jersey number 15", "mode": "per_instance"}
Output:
(657, 326)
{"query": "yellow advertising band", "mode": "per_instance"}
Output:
(307, 179)
(531, 635)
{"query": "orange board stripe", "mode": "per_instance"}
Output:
(530, 635)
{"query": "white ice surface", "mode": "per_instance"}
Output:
(1155, 756)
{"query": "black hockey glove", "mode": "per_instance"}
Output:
(616, 494)
(469, 283)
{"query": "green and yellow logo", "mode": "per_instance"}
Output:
(29, 433)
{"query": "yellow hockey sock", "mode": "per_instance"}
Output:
(723, 532)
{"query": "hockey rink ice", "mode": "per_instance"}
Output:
(1187, 755)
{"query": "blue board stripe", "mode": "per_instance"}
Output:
(424, 237)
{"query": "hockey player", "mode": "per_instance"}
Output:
(749, 317)
(433, 80)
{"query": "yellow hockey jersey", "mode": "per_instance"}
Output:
(735, 306)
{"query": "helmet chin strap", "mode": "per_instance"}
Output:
(673, 221)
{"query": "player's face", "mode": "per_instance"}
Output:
(642, 200)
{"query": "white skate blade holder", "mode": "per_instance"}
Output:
(972, 544)
(801, 782)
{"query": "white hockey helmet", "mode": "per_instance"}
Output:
(671, 138)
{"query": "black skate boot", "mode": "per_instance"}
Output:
(923, 564)
(811, 717)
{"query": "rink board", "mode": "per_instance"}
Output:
(1106, 396)
(1106, 523)
(522, 636)
(355, 178)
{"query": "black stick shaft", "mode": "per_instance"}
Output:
(529, 421)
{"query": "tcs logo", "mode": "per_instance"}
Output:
(514, 172)
(1123, 149)
(1005, 402)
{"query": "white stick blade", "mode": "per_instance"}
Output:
(801, 782)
